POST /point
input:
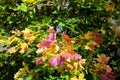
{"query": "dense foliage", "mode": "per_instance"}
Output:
(59, 39)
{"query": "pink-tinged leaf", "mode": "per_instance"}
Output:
(12, 50)
(39, 61)
(108, 76)
(52, 37)
(24, 47)
(103, 58)
(107, 68)
(62, 60)
(66, 55)
(46, 43)
(54, 61)
(98, 39)
(77, 56)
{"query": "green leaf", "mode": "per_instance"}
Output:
(29, 77)
(22, 7)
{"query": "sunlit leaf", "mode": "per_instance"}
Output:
(46, 42)
(74, 78)
(12, 50)
(88, 35)
(91, 45)
(107, 68)
(39, 61)
(81, 76)
(12, 39)
(24, 47)
(54, 61)
(67, 39)
(102, 58)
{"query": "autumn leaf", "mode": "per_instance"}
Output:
(108, 76)
(67, 39)
(54, 61)
(46, 42)
(74, 78)
(81, 76)
(77, 56)
(91, 45)
(107, 68)
(39, 61)
(24, 47)
(29, 1)
(110, 7)
(98, 39)
(88, 35)
(12, 50)
(66, 55)
(12, 39)
(51, 30)
(102, 58)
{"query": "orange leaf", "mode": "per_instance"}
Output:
(110, 7)
(24, 47)
(103, 58)
(88, 35)
(67, 39)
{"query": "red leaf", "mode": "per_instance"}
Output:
(39, 61)
(108, 76)
(98, 39)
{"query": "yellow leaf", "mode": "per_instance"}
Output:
(74, 78)
(26, 31)
(91, 45)
(12, 39)
(88, 35)
(30, 1)
(19, 73)
(81, 76)
(24, 47)
(1, 36)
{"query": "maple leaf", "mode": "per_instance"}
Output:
(66, 55)
(12, 50)
(102, 58)
(51, 30)
(88, 35)
(108, 76)
(55, 61)
(81, 76)
(107, 68)
(67, 39)
(24, 47)
(12, 39)
(46, 43)
(74, 78)
(91, 45)
(77, 56)
(98, 39)
(39, 61)
(53, 48)
(110, 7)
